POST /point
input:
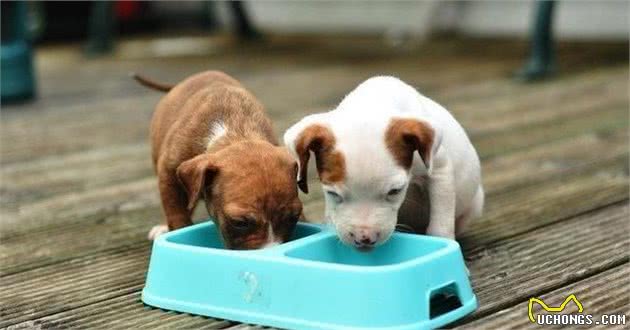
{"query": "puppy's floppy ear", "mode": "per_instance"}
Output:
(307, 136)
(403, 137)
(194, 174)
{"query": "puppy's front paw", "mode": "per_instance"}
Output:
(157, 231)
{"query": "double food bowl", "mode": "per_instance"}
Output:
(311, 282)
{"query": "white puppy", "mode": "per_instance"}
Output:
(389, 156)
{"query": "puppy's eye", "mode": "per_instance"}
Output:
(394, 192)
(243, 224)
(335, 196)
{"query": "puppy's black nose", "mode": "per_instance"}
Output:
(365, 241)
(364, 237)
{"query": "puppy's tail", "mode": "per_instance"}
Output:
(150, 83)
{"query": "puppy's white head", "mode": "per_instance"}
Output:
(364, 167)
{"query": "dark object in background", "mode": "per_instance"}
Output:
(101, 28)
(541, 63)
(16, 54)
(73, 20)
(64, 20)
(100, 21)
(70, 20)
(244, 26)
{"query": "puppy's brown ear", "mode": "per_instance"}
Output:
(321, 141)
(195, 174)
(403, 137)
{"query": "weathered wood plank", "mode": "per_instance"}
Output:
(25, 183)
(124, 312)
(547, 258)
(72, 284)
(66, 209)
(604, 293)
(512, 97)
(505, 141)
(538, 164)
(562, 198)
(530, 111)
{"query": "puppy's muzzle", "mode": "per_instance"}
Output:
(364, 239)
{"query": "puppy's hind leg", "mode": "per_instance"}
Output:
(174, 204)
(474, 212)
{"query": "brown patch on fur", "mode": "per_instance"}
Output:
(246, 167)
(404, 136)
(330, 163)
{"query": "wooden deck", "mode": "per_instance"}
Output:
(78, 194)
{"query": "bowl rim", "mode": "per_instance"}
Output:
(279, 253)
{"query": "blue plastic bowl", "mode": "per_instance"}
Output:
(311, 282)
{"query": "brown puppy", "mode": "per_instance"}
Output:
(211, 138)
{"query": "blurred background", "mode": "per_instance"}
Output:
(130, 30)
(540, 86)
